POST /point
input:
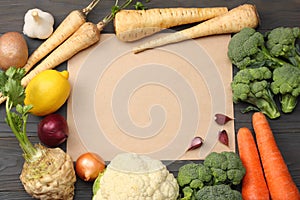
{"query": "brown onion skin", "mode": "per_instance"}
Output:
(53, 130)
(88, 166)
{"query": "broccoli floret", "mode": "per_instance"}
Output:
(247, 48)
(192, 177)
(281, 43)
(188, 193)
(286, 83)
(187, 173)
(218, 192)
(226, 167)
(251, 85)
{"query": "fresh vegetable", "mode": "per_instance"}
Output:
(250, 85)
(222, 119)
(131, 25)
(226, 167)
(217, 168)
(89, 165)
(47, 173)
(133, 176)
(254, 185)
(279, 180)
(13, 50)
(66, 28)
(47, 92)
(286, 84)
(247, 48)
(281, 43)
(53, 130)
(38, 24)
(85, 36)
(223, 137)
(195, 143)
(231, 22)
(222, 191)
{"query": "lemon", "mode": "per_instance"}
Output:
(47, 92)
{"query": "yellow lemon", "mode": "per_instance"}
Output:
(47, 92)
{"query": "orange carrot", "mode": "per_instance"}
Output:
(131, 25)
(254, 186)
(85, 36)
(231, 22)
(279, 180)
(67, 27)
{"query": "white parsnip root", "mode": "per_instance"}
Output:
(85, 36)
(66, 28)
(131, 25)
(232, 22)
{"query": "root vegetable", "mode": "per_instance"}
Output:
(67, 27)
(254, 185)
(131, 25)
(13, 50)
(47, 173)
(85, 36)
(230, 22)
(279, 180)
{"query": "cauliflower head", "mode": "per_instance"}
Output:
(135, 177)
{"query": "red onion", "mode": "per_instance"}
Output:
(53, 130)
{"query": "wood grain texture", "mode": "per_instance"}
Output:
(272, 14)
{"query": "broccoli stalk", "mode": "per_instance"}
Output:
(286, 83)
(250, 85)
(247, 48)
(281, 43)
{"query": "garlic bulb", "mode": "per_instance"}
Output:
(38, 24)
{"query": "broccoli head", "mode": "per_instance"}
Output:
(251, 85)
(281, 43)
(192, 177)
(218, 192)
(286, 83)
(226, 167)
(247, 48)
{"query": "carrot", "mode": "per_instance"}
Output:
(131, 25)
(67, 27)
(230, 22)
(87, 35)
(279, 180)
(254, 186)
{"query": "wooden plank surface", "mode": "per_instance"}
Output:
(272, 14)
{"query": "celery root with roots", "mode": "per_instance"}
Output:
(231, 22)
(48, 173)
(85, 36)
(131, 25)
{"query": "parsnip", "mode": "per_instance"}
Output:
(231, 22)
(131, 25)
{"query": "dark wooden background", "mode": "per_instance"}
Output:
(272, 14)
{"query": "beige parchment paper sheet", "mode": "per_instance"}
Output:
(151, 103)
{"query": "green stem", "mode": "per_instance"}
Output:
(112, 15)
(30, 152)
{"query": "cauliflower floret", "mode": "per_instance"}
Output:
(145, 179)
